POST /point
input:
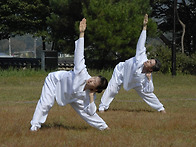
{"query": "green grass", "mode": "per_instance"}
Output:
(133, 123)
(22, 85)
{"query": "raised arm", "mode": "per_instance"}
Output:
(141, 42)
(79, 63)
(145, 22)
(82, 27)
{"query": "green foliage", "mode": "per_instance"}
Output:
(61, 23)
(23, 16)
(113, 27)
(162, 10)
(163, 54)
(184, 64)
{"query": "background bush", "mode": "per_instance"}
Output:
(184, 64)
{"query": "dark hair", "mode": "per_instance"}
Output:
(103, 84)
(157, 65)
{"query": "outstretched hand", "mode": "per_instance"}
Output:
(145, 21)
(148, 75)
(82, 26)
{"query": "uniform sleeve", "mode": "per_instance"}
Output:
(90, 108)
(79, 62)
(141, 45)
(80, 71)
(148, 86)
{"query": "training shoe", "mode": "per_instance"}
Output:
(102, 110)
(34, 128)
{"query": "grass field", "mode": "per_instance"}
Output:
(133, 123)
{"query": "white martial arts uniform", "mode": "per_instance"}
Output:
(67, 87)
(129, 74)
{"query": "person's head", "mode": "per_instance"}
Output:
(152, 65)
(97, 84)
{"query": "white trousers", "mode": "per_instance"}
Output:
(113, 89)
(47, 100)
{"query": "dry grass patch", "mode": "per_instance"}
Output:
(133, 123)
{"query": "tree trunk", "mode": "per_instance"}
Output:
(53, 46)
(43, 43)
(183, 32)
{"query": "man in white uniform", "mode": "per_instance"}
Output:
(134, 73)
(76, 88)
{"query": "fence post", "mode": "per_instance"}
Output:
(49, 60)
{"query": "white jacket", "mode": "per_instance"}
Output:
(70, 84)
(132, 76)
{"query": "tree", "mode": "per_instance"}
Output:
(183, 32)
(163, 10)
(113, 27)
(18, 17)
(61, 23)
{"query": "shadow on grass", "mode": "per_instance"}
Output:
(61, 126)
(133, 110)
